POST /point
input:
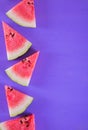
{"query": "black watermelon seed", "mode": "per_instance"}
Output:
(28, 3)
(21, 121)
(12, 34)
(24, 60)
(11, 89)
(27, 125)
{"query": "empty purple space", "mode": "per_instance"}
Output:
(59, 83)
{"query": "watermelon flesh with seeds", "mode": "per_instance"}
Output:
(22, 71)
(26, 122)
(17, 101)
(16, 44)
(23, 13)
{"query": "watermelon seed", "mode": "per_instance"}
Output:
(12, 34)
(10, 88)
(21, 121)
(29, 63)
(24, 60)
(27, 125)
(25, 118)
(28, 3)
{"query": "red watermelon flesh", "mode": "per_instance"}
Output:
(16, 44)
(22, 71)
(17, 101)
(22, 123)
(23, 13)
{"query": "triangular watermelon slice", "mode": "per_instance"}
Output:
(22, 71)
(16, 44)
(23, 13)
(22, 123)
(17, 101)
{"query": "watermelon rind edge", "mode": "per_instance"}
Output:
(20, 21)
(19, 52)
(15, 78)
(24, 108)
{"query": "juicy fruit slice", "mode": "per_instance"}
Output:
(22, 71)
(23, 13)
(16, 44)
(21, 123)
(17, 101)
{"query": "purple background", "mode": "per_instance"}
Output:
(59, 83)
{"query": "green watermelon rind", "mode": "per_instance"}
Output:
(15, 54)
(20, 21)
(30, 99)
(16, 79)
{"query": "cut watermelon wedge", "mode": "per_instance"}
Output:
(22, 123)
(22, 71)
(16, 44)
(23, 13)
(17, 101)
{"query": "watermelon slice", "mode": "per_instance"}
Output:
(22, 71)
(17, 101)
(16, 44)
(23, 13)
(22, 123)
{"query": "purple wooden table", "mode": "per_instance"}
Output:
(59, 83)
